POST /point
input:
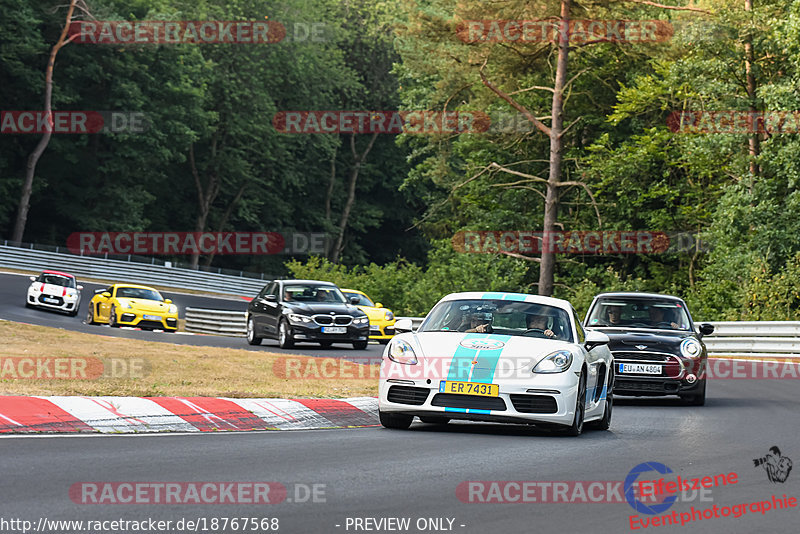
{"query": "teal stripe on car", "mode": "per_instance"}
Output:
(487, 360)
(462, 360)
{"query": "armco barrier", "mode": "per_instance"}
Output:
(754, 338)
(123, 271)
(219, 322)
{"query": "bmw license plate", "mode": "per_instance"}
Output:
(334, 330)
(50, 300)
(151, 317)
(642, 368)
(469, 388)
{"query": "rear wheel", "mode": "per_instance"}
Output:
(285, 339)
(359, 345)
(252, 338)
(397, 421)
(605, 422)
(698, 399)
(576, 427)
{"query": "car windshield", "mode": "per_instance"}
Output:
(56, 280)
(313, 293)
(639, 313)
(138, 293)
(363, 300)
(511, 318)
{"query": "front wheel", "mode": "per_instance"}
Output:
(112, 319)
(698, 399)
(576, 427)
(285, 339)
(397, 421)
(252, 338)
(359, 345)
(90, 315)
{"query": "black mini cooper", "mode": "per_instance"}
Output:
(305, 310)
(657, 349)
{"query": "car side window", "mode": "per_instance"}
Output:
(274, 290)
(578, 327)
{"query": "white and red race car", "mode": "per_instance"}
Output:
(498, 357)
(54, 290)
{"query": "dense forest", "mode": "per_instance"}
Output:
(593, 145)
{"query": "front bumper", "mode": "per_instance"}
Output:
(675, 379)
(540, 399)
(381, 331)
(314, 332)
(65, 303)
(147, 320)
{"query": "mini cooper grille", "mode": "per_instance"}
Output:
(654, 386)
(407, 395)
(639, 356)
(452, 400)
(534, 403)
(326, 320)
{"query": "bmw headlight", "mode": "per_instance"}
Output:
(401, 352)
(388, 316)
(299, 319)
(173, 308)
(557, 362)
(361, 320)
(690, 348)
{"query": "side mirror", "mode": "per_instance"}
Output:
(403, 325)
(32, 278)
(595, 339)
(354, 300)
(378, 305)
(271, 298)
(106, 294)
(706, 329)
(167, 301)
(80, 287)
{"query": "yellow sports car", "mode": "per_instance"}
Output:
(381, 320)
(133, 305)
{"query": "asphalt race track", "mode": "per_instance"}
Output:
(381, 473)
(13, 289)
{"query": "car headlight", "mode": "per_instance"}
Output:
(299, 319)
(173, 308)
(361, 320)
(401, 352)
(36, 288)
(557, 362)
(389, 316)
(691, 348)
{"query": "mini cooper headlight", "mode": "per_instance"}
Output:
(401, 352)
(299, 319)
(690, 348)
(173, 308)
(557, 362)
(361, 320)
(388, 316)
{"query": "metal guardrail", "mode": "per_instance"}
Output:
(754, 338)
(219, 322)
(123, 271)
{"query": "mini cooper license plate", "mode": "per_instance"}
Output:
(334, 330)
(640, 368)
(469, 388)
(151, 317)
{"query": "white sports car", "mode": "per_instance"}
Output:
(498, 357)
(54, 290)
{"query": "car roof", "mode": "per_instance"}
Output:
(636, 294)
(319, 282)
(59, 273)
(501, 295)
(353, 291)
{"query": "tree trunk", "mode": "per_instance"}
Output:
(205, 195)
(358, 160)
(225, 216)
(33, 159)
(754, 148)
(547, 265)
(328, 199)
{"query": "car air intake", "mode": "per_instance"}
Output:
(453, 400)
(407, 395)
(534, 403)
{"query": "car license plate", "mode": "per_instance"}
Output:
(334, 330)
(50, 300)
(469, 388)
(640, 368)
(151, 317)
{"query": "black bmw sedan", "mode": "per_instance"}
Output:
(657, 349)
(305, 310)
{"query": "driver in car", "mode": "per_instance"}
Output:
(657, 316)
(479, 322)
(539, 322)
